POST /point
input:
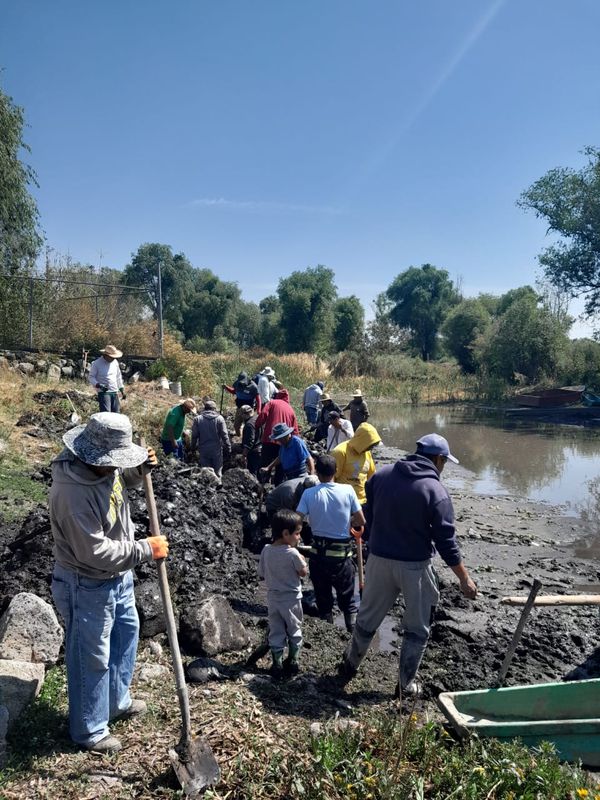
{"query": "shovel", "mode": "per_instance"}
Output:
(357, 533)
(193, 760)
(75, 418)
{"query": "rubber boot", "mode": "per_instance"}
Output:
(328, 617)
(350, 620)
(290, 665)
(277, 665)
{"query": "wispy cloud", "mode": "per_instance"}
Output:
(262, 206)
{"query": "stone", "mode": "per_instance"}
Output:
(150, 672)
(134, 378)
(150, 609)
(30, 631)
(213, 627)
(26, 368)
(156, 648)
(208, 476)
(67, 372)
(3, 731)
(41, 365)
(20, 683)
(53, 373)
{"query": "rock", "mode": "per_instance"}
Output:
(208, 476)
(134, 378)
(67, 372)
(213, 627)
(20, 683)
(41, 365)
(156, 648)
(30, 631)
(150, 672)
(150, 610)
(53, 372)
(26, 368)
(3, 730)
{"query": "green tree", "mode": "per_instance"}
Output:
(506, 300)
(422, 297)
(463, 326)
(569, 201)
(271, 334)
(383, 335)
(210, 302)
(307, 298)
(177, 280)
(349, 321)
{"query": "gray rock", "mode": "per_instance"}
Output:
(67, 372)
(150, 610)
(30, 631)
(20, 683)
(41, 365)
(208, 476)
(155, 648)
(150, 672)
(53, 373)
(26, 368)
(213, 627)
(3, 730)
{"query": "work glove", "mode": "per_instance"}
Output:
(123, 395)
(159, 545)
(152, 459)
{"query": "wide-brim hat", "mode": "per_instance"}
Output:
(112, 351)
(325, 396)
(106, 441)
(280, 430)
(268, 372)
(357, 393)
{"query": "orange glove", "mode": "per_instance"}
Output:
(159, 545)
(152, 459)
(357, 532)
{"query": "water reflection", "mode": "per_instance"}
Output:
(553, 463)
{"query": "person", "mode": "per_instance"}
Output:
(354, 461)
(266, 387)
(282, 568)
(327, 406)
(172, 432)
(410, 517)
(311, 402)
(288, 493)
(246, 394)
(92, 581)
(359, 410)
(251, 444)
(210, 437)
(105, 376)
(278, 410)
(339, 430)
(293, 456)
(331, 508)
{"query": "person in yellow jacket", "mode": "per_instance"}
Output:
(353, 459)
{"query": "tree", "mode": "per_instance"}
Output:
(271, 334)
(384, 337)
(177, 280)
(569, 201)
(422, 297)
(349, 321)
(462, 328)
(506, 300)
(307, 300)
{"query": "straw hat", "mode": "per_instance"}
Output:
(106, 441)
(112, 351)
(357, 393)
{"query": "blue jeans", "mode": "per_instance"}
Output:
(170, 450)
(101, 637)
(312, 414)
(109, 401)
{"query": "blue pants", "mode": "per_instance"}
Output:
(109, 401)
(101, 637)
(312, 414)
(170, 450)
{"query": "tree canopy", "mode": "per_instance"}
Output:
(463, 326)
(306, 298)
(569, 201)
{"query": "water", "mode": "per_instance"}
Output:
(558, 464)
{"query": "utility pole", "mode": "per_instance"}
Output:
(160, 314)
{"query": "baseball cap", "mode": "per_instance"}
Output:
(435, 445)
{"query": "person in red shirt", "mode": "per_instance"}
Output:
(278, 410)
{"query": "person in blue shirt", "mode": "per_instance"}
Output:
(331, 509)
(294, 456)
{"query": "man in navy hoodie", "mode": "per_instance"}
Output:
(410, 517)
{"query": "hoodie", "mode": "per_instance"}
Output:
(410, 514)
(90, 520)
(278, 410)
(209, 433)
(353, 459)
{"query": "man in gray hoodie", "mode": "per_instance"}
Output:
(209, 435)
(92, 582)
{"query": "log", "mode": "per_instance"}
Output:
(555, 600)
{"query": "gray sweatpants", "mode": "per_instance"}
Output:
(285, 620)
(212, 456)
(385, 579)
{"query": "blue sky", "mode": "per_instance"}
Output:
(263, 137)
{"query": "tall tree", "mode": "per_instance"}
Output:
(307, 299)
(467, 321)
(569, 201)
(349, 321)
(422, 297)
(383, 335)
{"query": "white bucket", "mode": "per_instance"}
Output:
(163, 383)
(175, 387)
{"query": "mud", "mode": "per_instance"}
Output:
(216, 530)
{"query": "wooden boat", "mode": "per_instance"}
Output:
(567, 714)
(589, 398)
(551, 398)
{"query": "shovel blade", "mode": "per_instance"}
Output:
(196, 767)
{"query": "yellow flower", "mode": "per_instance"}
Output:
(413, 718)
(582, 793)
(480, 770)
(370, 780)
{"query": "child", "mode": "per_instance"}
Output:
(282, 567)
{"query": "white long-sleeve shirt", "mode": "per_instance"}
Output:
(336, 436)
(106, 373)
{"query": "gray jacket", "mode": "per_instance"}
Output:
(209, 433)
(90, 520)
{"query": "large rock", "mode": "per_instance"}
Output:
(20, 683)
(150, 609)
(53, 373)
(67, 371)
(212, 627)
(30, 631)
(26, 368)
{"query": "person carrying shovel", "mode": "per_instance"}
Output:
(105, 376)
(92, 582)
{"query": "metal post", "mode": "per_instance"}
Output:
(31, 313)
(160, 314)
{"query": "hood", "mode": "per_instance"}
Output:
(417, 467)
(366, 435)
(209, 413)
(282, 394)
(67, 468)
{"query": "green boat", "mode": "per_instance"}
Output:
(567, 714)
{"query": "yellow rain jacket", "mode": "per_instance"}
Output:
(353, 459)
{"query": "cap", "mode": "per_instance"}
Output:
(435, 445)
